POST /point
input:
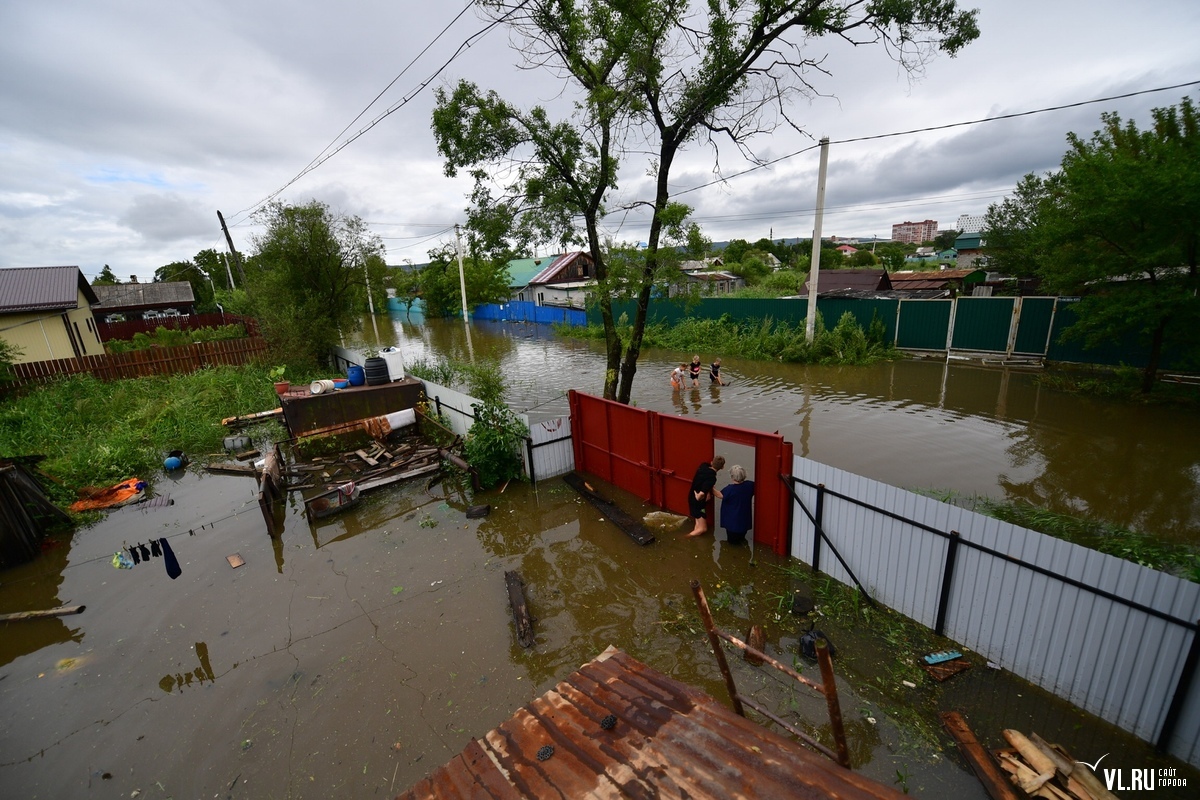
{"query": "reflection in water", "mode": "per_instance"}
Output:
(32, 586)
(199, 675)
(914, 423)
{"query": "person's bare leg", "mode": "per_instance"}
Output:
(700, 529)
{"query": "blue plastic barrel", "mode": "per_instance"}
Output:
(356, 375)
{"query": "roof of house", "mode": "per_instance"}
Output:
(858, 279)
(42, 289)
(554, 267)
(941, 275)
(620, 728)
(145, 295)
(969, 241)
(522, 270)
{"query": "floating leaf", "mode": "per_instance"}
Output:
(397, 589)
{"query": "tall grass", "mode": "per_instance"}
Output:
(762, 339)
(97, 433)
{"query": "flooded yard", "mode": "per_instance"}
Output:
(355, 654)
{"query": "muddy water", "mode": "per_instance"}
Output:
(914, 424)
(352, 656)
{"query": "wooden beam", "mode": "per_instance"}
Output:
(520, 610)
(994, 783)
(61, 611)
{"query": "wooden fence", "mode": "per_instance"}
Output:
(143, 363)
(126, 330)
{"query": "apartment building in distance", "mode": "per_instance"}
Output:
(915, 232)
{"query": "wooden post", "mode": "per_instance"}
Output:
(994, 782)
(520, 611)
(831, 702)
(706, 617)
(61, 611)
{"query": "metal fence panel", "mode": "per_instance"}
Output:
(453, 405)
(923, 324)
(1017, 606)
(982, 323)
(551, 448)
(1033, 328)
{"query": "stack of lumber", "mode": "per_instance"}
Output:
(1040, 769)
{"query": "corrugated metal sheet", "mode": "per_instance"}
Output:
(983, 323)
(669, 740)
(1033, 328)
(1120, 663)
(42, 289)
(553, 452)
(923, 324)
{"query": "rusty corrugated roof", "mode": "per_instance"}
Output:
(669, 740)
(25, 289)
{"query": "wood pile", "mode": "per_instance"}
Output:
(1041, 769)
(1034, 767)
(369, 467)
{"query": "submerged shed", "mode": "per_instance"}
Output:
(618, 728)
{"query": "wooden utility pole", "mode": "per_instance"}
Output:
(237, 259)
(814, 272)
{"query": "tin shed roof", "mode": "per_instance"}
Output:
(145, 295)
(42, 289)
(669, 740)
(547, 274)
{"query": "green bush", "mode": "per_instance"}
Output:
(493, 443)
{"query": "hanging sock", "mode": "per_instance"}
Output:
(145, 551)
(173, 568)
(133, 551)
(155, 550)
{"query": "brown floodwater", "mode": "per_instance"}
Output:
(352, 656)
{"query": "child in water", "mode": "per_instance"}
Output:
(714, 372)
(694, 371)
(677, 377)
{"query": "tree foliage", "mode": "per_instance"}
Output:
(439, 286)
(661, 76)
(307, 277)
(1119, 225)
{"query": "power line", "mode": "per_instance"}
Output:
(312, 165)
(931, 128)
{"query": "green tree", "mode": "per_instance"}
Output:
(486, 281)
(697, 244)
(945, 240)
(307, 277)
(188, 271)
(891, 255)
(106, 277)
(863, 258)
(1119, 225)
(682, 74)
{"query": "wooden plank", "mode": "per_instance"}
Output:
(632, 527)
(520, 610)
(980, 761)
(61, 611)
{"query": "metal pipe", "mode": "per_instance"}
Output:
(947, 575)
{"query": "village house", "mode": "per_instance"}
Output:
(46, 313)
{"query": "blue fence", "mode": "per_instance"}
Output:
(525, 311)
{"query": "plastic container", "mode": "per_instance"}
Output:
(395, 362)
(321, 386)
(376, 370)
(341, 383)
(356, 376)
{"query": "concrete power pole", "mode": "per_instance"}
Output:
(462, 280)
(814, 273)
(237, 259)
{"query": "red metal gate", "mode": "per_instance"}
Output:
(654, 456)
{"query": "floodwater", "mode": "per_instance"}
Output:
(916, 424)
(352, 656)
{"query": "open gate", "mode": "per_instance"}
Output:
(654, 456)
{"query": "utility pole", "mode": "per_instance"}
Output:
(814, 273)
(236, 258)
(462, 280)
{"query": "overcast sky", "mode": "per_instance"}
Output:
(126, 125)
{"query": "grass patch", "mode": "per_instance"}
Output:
(95, 433)
(761, 339)
(1119, 383)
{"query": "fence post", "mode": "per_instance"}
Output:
(1182, 689)
(715, 641)
(831, 702)
(947, 574)
(529, 455)
(818, 526)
